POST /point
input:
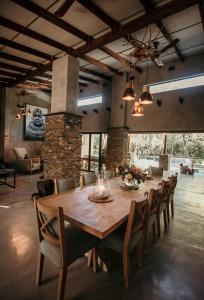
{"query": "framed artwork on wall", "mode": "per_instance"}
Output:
(34, 123)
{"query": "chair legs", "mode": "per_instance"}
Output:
(40, 263)
(165, 219)
(158, 225)
(126, 270)
(172, 208)
(140, 253)
(168, 213)
(61, 283)
(154, 232)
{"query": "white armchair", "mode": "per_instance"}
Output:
(24, 163)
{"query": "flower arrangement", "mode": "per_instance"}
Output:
(131, 173)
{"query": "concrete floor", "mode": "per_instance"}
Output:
(174, 268)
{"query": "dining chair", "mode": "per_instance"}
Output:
(65, 184)
(163, 204)
(173, 183)
(89, 178)
(151, 217)
(157, 171)
(129, 237)
(109, 174)
(60, 242)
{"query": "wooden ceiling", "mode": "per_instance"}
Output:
(34, 33)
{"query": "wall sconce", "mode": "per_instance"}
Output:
(108, 109)
(121, 106)
(95, 111)
(181, 99)
(159, 102)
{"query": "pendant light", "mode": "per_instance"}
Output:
(146, 97)
(129, 92)
(137, 110)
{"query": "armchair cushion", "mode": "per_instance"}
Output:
(20, 152)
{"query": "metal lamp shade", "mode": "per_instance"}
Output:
(138, 110)
(129, 93)
(146, 97)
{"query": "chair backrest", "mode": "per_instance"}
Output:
(153, 202)
(89, 178)
(164, 191)
(173, 183)
(20, 152)
(45, 187)
(135, 222)
(65, 184)
(46, 217)
(157, 171)
(109, 174)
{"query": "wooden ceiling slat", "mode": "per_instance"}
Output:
(118, 57)
(92, 7)
(40, 81)
(46, 75)
(95, 73)
(13, 68)
(24, 48)
(10, 74)
(164, 31)
(64, 8)
(48, 16)
(4, 79)
(88, 79)
(19, 59)
(149, 6)
(33, 34)
(99, 64)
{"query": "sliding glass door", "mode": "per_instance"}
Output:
(93, 152)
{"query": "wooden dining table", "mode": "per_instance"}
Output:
(99, 219)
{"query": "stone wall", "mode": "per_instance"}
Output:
(117, 146)
(61, 150)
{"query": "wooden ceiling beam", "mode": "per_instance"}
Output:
(48, 76)
(94, 9)
(159, 13)
(201, 9)
(40, 81)
(33, 86)
(95, 73)
(48, 16)
(100, 65)
(26, 49)
(88, 79)
(118, 57)
(64, 8)
(10, 74)
(32, 73)
(32, 34)
(13, 68)
(19, 59)
(167, 35)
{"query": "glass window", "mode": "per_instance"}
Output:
(90, 101)
(93, 152)
(177, 84)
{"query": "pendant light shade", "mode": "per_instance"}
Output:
(129, 93)
(146, 97)
(138, 110)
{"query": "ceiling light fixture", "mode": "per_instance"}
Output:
(138, 110)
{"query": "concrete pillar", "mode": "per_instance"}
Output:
(117, 147)
(65, 75)
(164, 161)
(61, 150)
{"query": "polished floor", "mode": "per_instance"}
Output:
(174, 268)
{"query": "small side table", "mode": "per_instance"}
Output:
(4, 173)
